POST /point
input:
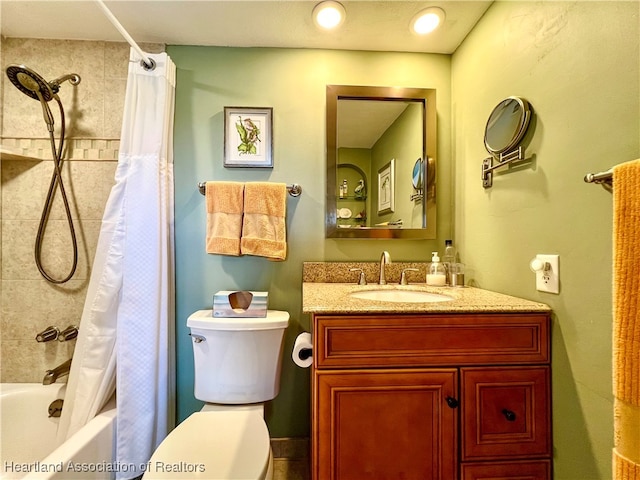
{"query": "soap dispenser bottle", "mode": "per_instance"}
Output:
(436, 274)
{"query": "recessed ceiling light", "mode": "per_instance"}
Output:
(328, 14)
(427, 20)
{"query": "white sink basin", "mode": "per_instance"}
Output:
(400, 296)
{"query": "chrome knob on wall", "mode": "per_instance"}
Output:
(68, 333)
(48, 334)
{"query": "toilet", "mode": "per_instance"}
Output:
(237, 368)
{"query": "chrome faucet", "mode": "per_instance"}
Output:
(385, 258)
(61, 370)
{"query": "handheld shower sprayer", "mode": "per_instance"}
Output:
(36, 87)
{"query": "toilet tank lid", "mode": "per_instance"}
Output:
(205, 320)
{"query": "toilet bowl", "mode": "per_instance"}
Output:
(224, 444)
(237, 367)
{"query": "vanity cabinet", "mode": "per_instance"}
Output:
(431, 396)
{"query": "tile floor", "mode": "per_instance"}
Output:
(290, 458)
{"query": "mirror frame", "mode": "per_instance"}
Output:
(427, 96)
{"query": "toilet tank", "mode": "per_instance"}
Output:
(237, 360)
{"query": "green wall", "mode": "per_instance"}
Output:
(403, 142)
(578, 64)
(293, 83)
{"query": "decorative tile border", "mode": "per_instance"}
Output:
(76, 148)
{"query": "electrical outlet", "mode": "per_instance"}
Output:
(547, 272)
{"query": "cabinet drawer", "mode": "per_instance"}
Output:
(505, 412)
(430, 340)
(526, 470)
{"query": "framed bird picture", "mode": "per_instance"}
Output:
(248, 137)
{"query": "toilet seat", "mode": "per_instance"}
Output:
(214, 445)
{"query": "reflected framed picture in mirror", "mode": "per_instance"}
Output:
(386, 188)
(248, 137)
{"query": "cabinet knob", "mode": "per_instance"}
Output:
(509, 415)
(452, 402)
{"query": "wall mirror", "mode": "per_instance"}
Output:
(506, 127)
(376, 139)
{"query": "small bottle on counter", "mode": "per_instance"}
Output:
(449, 259)
(436, 274)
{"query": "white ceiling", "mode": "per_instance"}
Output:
(370, 25)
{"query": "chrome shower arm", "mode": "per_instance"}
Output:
(73, 78)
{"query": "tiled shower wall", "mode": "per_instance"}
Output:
(93, 112)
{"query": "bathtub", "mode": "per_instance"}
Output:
(28, 438)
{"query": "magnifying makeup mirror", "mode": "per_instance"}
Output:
(505, 129)
(416, 179)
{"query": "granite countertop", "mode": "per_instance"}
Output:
(334, 298)
(327, 286)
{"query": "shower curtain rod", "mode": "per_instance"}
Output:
(146, 61)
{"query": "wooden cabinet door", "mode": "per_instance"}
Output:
(385, 424)
(505, 413)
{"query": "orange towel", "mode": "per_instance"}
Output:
(626, 320)
(626, 295)
(263, 226)
(224, 217)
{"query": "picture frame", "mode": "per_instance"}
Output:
(248, 137)
(386, 188)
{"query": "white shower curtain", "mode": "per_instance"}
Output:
(126, 331)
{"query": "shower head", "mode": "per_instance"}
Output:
(30, 83)
(36, 87)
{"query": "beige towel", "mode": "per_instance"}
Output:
(263, 226)
(626, 320)
(224, 217)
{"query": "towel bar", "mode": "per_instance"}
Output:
(603, 178)
(294, 189)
